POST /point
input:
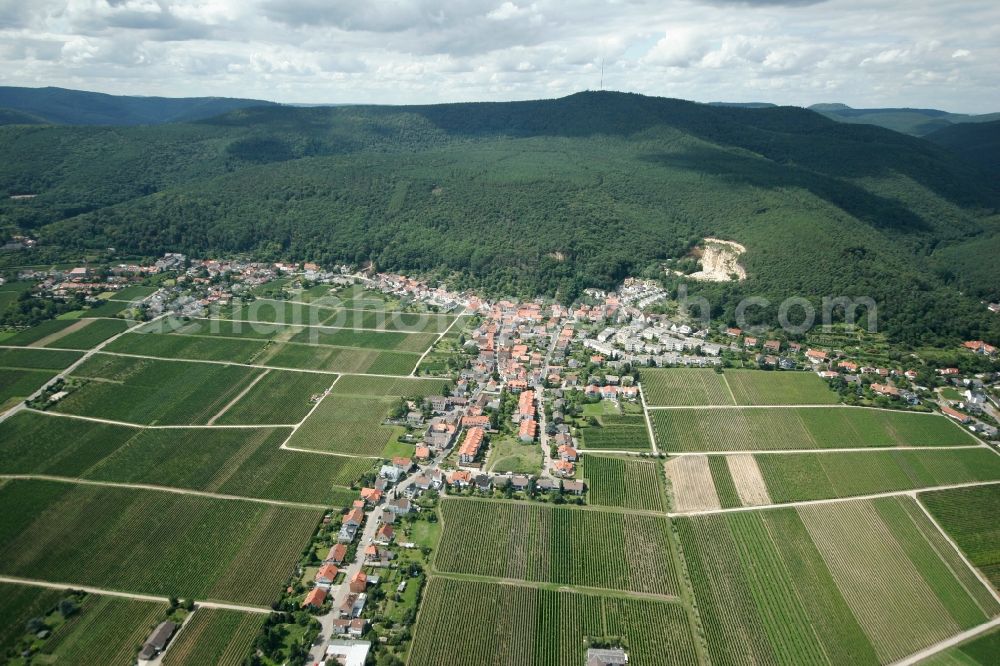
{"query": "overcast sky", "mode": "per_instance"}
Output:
(927, 53)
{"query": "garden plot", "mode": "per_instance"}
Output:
(691, 485)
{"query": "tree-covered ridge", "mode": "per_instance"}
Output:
(531, 197)
(80, 107)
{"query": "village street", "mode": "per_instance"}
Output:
(372, 521)
(543, 436)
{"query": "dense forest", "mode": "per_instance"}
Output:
(547, 197)
(78, 107)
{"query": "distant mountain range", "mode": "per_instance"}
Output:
(540, 197)
(918, 122)
(59, 106)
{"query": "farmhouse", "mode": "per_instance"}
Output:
(315, 598)
(564, 468)
(337, 554)
(460, 478)
(347, 653)
(606, 657)
(353, 605)
(371, 496)
(358, 582)
(384, 535)
(157, 641)
(816, 356)
(573, 487)
(390, 472)
(955, 414)
(326, 575)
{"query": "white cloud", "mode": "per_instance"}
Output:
(861, 52)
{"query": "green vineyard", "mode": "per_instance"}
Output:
(776, 429)
(152, 542)
(631, 483)
(465, 622)
(244, 462)
(594, 549)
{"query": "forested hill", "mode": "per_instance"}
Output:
(918, 122)
(546, 196)
(979, 143)
(77, 107)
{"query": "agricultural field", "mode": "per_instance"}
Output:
(338, 359)
(151, 392)
(969, 516)
(792, 477)
(16, 385)
(215, 636)
(18, 604)
(346, 337)
(306, 335)
(106, 309)
(510, 625)
(24, 371)
(722, 478)
(256, 350)
(187, 347)
(853, 582)
(290, 312)
(347, 424)
(691, 486)
(351, 419)
(685, 387)
(135, 292)
(631, 483)
(102, 630)
(279, 396)
(758, 387)
(979, 651)
(91, 333)
(749, 429)
(153, 542)
(557, 545)
(617, 432)
(409, 387)
(106, 630)
(36, 333)
(37, 359)
(243, 462)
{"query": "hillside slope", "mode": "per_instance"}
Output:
(978, 143)
(549, 196)
(77, 107)
(917, 122)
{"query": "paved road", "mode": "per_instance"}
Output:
(373, 520)
(543, 437)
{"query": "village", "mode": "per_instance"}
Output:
(533, 387)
